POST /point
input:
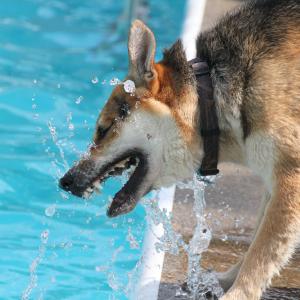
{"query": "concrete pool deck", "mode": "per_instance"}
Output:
(232, 205)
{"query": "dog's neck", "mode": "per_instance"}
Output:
(187, 116)
(230, 138)
(186, 107)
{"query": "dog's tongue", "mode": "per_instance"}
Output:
(122, 203)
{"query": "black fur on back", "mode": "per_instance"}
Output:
(255, 29)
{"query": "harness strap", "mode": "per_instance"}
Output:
(209, 127)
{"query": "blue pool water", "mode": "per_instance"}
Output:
(56, 59)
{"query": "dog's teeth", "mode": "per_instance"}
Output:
(97, 184)
(119, 165)
(97, 187)
(86, 195)
(89, 189)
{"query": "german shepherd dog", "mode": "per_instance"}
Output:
(254, 60)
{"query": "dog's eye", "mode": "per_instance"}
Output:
(101, 131)
(124, 110)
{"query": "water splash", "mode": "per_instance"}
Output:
(134, 244)
(79, 99)
(50, 210)
(53, 133)
(129, 85)
(199, 281)
(95, 80)
(115, 81)
(34, 265)
(69, 121)
(170, 241)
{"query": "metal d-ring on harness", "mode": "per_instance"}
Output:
(209, 128)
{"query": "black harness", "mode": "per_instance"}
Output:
(209, 127)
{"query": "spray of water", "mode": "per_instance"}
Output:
(199, 281)
(34, 265)
(129, 85)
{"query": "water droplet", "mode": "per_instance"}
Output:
(50, 211)
(103, 81)
(129, 86)
(112, 281)
(58, 85)
(101, 268)
(132, 241)
(115, 81)
(224, 238)
(69, 121)
(95, 80)
(79, 100)
(85, 124)
(64, 195)
(71, 126)
(34, 106)
(66, 245)
(34, 81)
(52, 130)
(44, 236)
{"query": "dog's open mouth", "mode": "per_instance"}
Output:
(85, 178)
(114, 169)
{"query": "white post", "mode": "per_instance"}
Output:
(192, 26)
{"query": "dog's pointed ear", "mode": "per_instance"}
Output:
(141, 50)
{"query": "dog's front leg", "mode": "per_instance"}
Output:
(275, 241)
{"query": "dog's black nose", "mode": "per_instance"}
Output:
(66, 182)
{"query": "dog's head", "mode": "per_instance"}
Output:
(149, 130)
